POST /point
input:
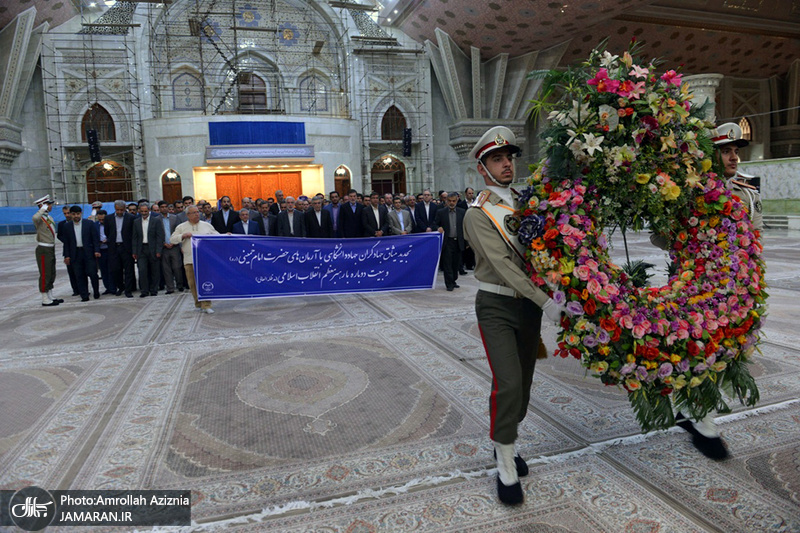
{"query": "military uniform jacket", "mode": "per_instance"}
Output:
(45, 228)
(495, 261)
(751, 200)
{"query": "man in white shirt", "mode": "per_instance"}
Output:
(374, 217)
(183, 235)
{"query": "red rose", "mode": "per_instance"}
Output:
(693, 348)
(590, 307)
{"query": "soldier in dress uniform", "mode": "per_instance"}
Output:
(508, 305)
(727, 140)
(46, 250)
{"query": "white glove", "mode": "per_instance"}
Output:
(43, 208)
(553, 311)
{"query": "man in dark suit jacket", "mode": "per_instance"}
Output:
(82, 252)
(59, 230)
(171, 258)
(318, 221)
(148, 254)
(267, 222)
(335, 209)
(294, 228)
(350, 216)
(453, 243)
(245, 226)
(374, 217)
(224, 219)
(119, 231)
(424, 213)
(275, 208)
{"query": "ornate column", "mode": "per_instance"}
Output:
(704, 88)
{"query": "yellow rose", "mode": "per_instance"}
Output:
(599, 367)
(604, 349)
(706, 165)
(714, 222)
(642, 178)
(675, 359)
(631, 358)
(567, 266)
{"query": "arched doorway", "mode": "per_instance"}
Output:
(171, 186)
(108, 181)
(388, 175)
(342, 180)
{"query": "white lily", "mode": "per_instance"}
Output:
(593, 143)
(608, 60)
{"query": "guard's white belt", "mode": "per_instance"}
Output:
(497, 289)
(47, 244)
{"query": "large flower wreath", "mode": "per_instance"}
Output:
(625, 149)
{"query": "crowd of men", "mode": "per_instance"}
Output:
(136, 247)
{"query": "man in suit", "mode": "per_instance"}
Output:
(119, 230)
(184, 204)
(245, 226)
(373, 217)
(224, 219)
(318, 220)
(335, 208)
(267, 222)
(81, 250)
(148, 241)
(105, 271)
(171, 261)
(351, 216)
(400, 219)
(275, 208)
(424, 213)
(290, 221)
(60, 227)
(450, 221)
(468, 255)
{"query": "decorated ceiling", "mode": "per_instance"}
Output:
(742, 38)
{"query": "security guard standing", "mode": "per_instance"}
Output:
(727, 140)
(508, 305)
(46, 250)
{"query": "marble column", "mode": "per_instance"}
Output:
(704, 88)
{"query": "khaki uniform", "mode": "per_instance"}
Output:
(510, 325)
(751, 200)
(45, 249)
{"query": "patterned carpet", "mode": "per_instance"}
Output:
(369, 413)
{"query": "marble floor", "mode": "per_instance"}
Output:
(370, 413)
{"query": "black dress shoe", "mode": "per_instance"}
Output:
(510, 495)
(169, 292)
(457, 286)
(58, 301)
(128, 295)
(51, 304)
(76, 294)
(712, 447)
(519, 462)
(119, 292)
(462, 272)
(144, 295)
(181, 289)
(450, 289)
(108, 292)
(153, 294)
(84, 299)
(96, 296)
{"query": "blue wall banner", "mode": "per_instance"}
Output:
(233, 267)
